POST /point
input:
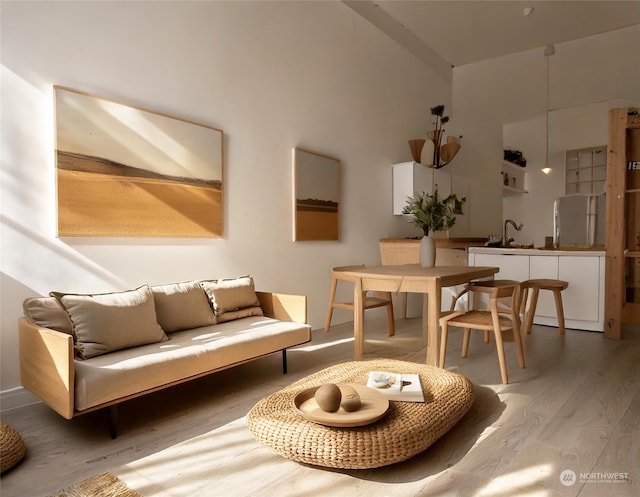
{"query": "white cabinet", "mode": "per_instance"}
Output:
(545, 267)
(586, 284)
(583, 300)
(410, 178)
(512, 267)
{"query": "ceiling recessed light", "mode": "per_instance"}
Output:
(527, 10)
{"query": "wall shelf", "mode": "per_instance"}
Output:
(514, 179)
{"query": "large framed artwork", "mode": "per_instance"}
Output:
(130, 172)
(316, 196)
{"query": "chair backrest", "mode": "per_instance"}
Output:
(495, 290)
(503, 290)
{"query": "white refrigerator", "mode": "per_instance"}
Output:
(579, 221)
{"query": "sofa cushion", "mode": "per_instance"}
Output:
(111, 321)
(48, 313)
(230, 296)
(189, 353)
(180, 306)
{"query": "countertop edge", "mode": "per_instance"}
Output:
(534, 251)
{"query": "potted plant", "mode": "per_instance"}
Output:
(430, 214)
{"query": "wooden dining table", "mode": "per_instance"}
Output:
(411, 278)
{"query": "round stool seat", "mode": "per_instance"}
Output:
(535, 285)
(12, 448)
(546, 284)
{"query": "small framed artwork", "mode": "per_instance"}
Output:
(316, 185)
(123, 171)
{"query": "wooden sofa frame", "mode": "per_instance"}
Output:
(47, 370)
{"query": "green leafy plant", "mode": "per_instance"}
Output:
(432, 214)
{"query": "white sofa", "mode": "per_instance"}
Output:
(80, 353)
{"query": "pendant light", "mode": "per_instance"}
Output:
(549, 50)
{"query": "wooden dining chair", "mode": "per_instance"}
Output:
(496, 318)
(371, 301)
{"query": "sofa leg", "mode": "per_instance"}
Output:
(284, 361)
(113, 421)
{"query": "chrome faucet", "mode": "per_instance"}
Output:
(507, 241)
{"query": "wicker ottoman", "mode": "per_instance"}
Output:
(407, 429)
(12, 448)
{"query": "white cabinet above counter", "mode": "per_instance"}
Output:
(409, 178)
(583, 300)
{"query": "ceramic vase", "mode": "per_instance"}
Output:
(427, 251)
(426, 156)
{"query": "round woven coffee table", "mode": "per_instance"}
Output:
(407, 429)
(12, 448)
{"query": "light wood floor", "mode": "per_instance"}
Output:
(575, 407)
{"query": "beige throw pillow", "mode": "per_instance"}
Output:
(181, 306)
(48, 313)
(111, 321)
(227, 297)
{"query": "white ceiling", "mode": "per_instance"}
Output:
(463, 32)
(451, 33)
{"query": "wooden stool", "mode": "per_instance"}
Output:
(555, 286)
(370, 302)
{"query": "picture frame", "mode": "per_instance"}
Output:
(125, 171)
(317, 192)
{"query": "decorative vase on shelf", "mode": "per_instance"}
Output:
(416, 149)
(427, 251)
(449, 150)
(426, 157)
(436, 154)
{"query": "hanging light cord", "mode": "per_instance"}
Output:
(548, 51)
(546, 152)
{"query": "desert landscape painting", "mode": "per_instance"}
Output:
(126, 171)
(317, 196)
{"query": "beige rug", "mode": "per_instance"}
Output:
(104, 485)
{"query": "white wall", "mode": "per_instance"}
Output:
(272, 75)
(479, 159)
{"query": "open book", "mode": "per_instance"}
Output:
(396, 386)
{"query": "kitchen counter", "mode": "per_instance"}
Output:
(577, 252)
(406, 250)
(583, 300)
